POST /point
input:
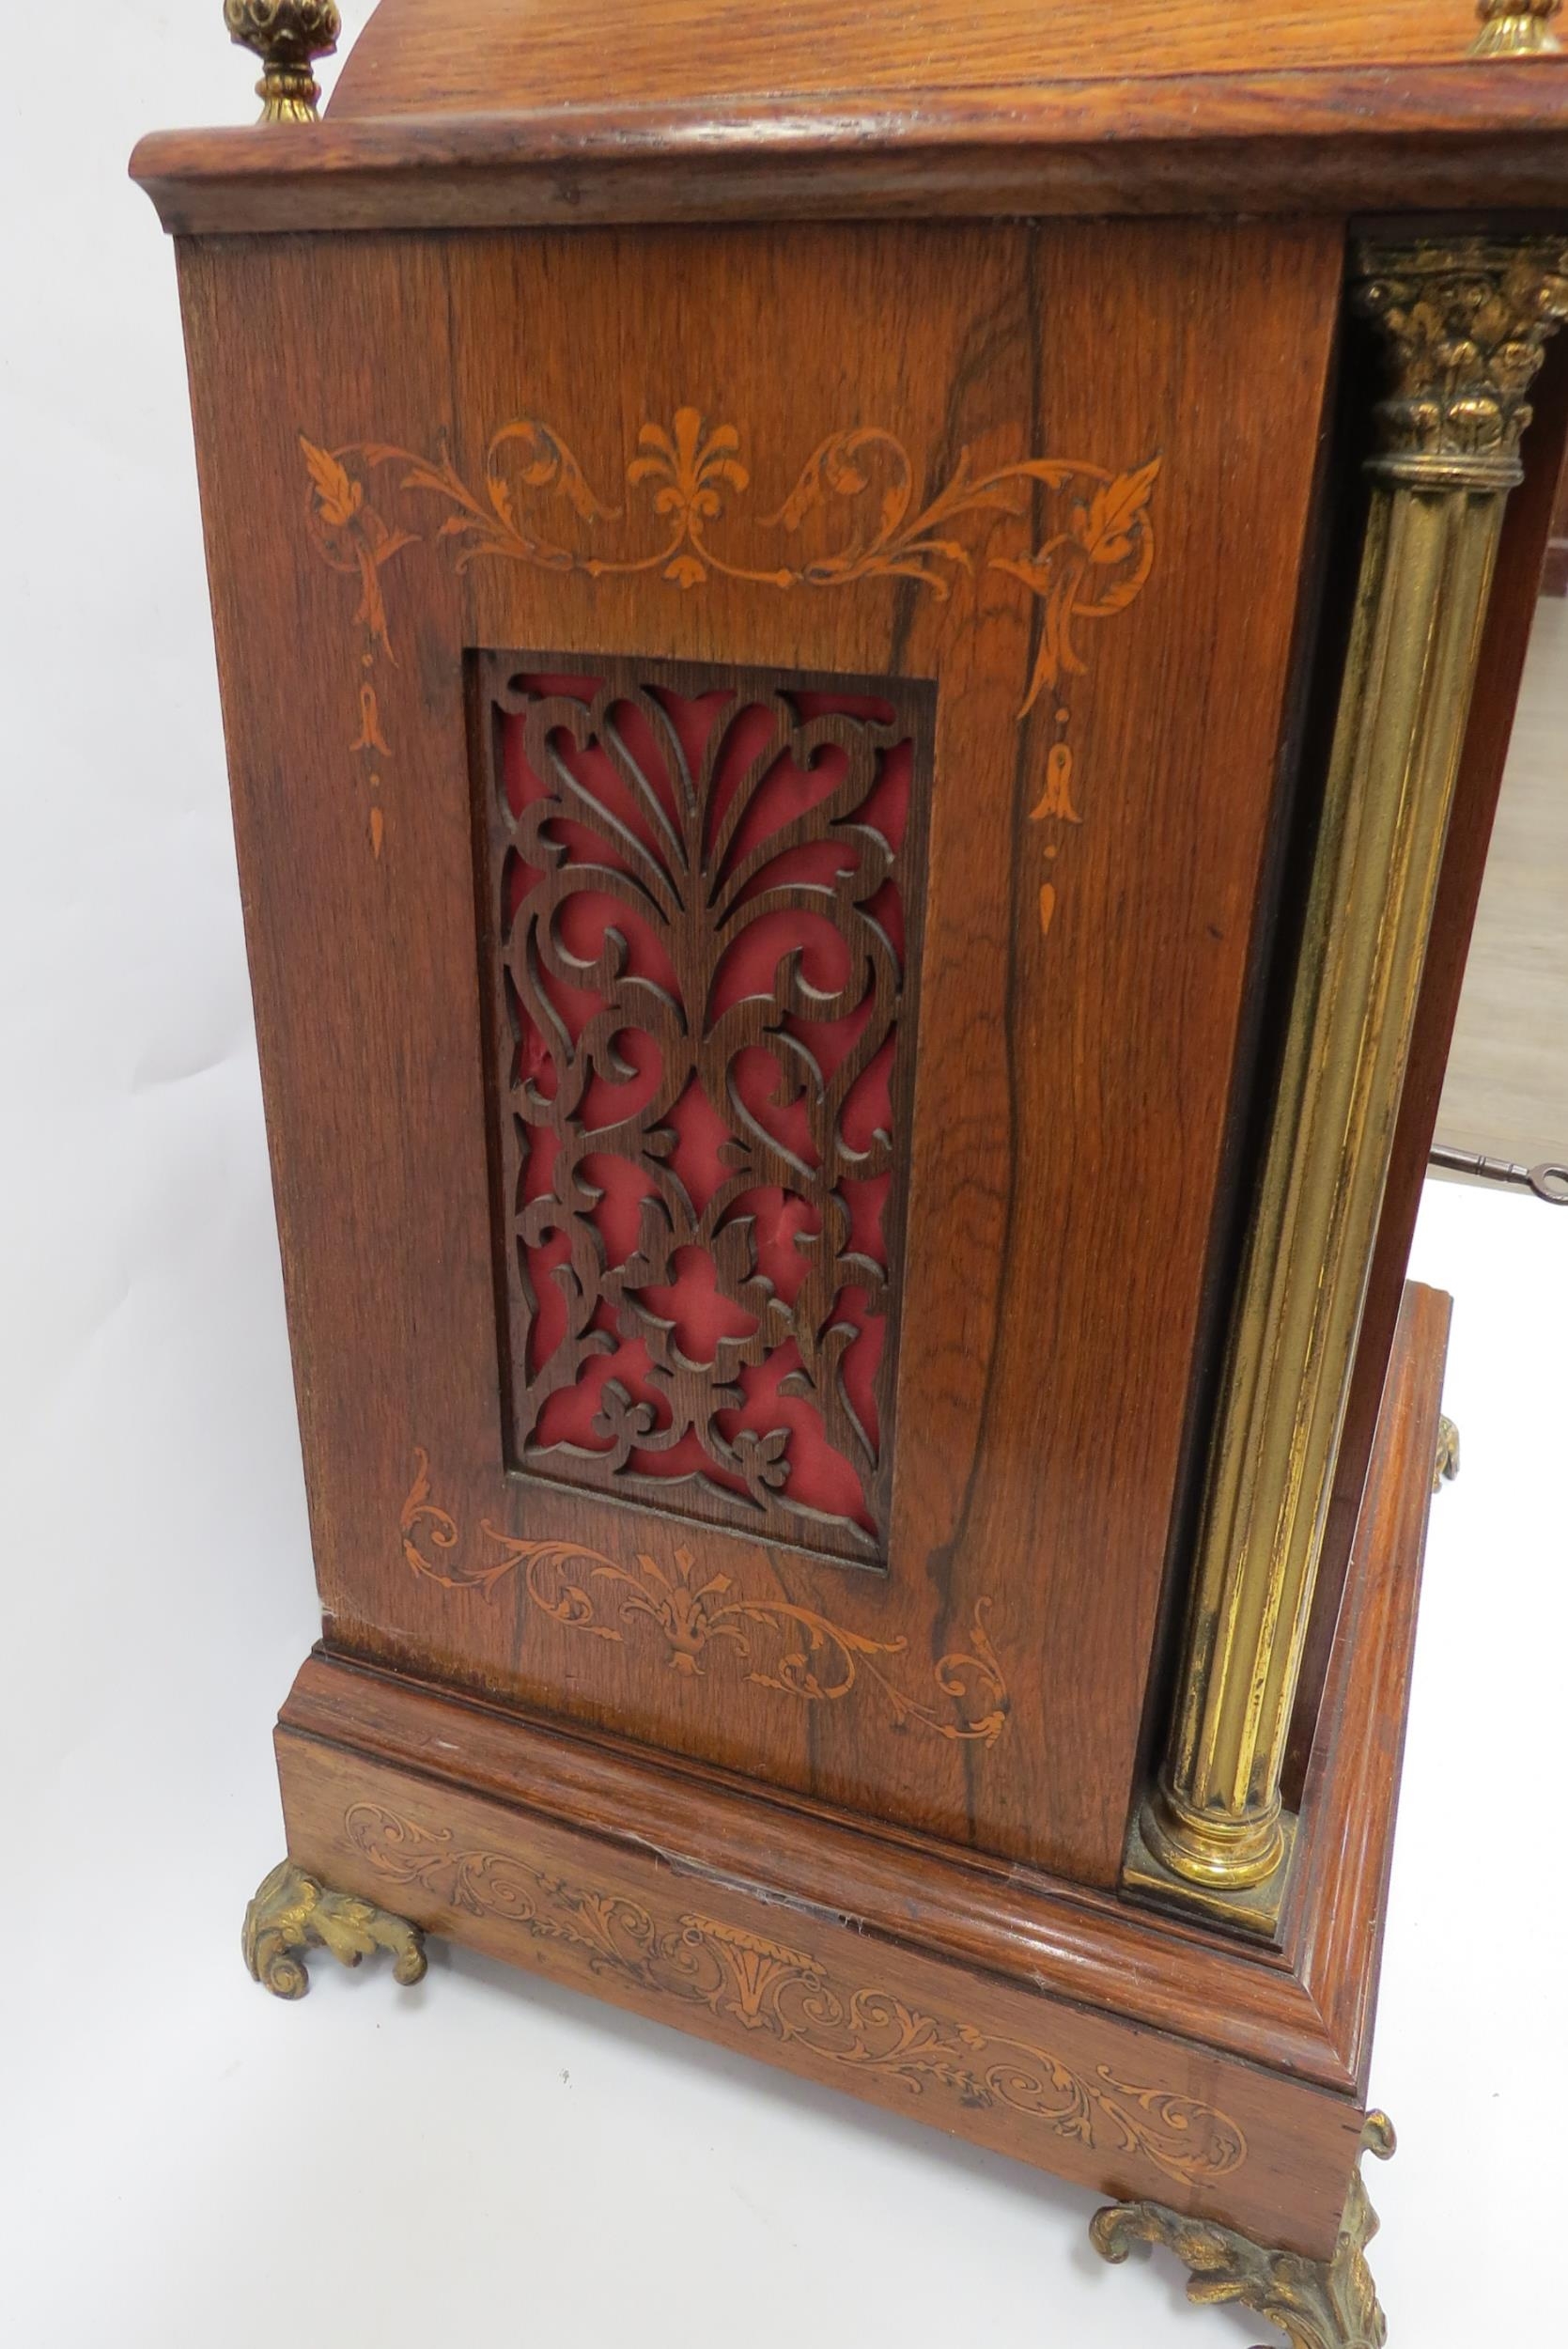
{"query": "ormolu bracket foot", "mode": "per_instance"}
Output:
(1318, 2304)
(292, 1912)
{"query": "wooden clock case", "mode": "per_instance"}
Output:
(829, 663)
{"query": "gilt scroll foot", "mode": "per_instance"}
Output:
(292, 1913)
(1317, 2304)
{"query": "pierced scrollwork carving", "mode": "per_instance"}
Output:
(701, 1012)
(700, 1618)
(1317, 2304)
(292, 1913)
(788, 1994)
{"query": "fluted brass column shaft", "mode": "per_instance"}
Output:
(1466, 322)
(1427, 569)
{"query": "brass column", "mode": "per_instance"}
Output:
(1464, 321)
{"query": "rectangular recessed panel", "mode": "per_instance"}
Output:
(701, 892)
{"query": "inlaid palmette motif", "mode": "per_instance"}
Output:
(777, 1990)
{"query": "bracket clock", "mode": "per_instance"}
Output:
(864, 680)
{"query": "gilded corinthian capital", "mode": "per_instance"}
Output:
(1465, 324)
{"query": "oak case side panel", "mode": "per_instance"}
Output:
(468, 430)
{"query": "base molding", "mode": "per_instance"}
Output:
(1151, 2058)
(1129, 2112)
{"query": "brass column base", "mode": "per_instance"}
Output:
(292, 1913)
(1317, 2304)
(1254, 1909)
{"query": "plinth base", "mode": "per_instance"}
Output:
(1152, 2059)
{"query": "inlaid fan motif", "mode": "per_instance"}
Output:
(704, 897)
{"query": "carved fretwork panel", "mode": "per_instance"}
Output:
(700, 905)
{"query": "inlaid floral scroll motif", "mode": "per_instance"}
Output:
(700, 1618)
(793, 1997)
(702, 1009)
(858, 510)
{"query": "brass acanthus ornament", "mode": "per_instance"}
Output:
(1466, 326)
(292, 1913)
(1445, 1467)
(1317, 2304)
(1516, 28)
(285, 34)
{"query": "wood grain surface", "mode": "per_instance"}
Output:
(1315, 141)
(480, 57)
(1339, 1902)
(1077, 2033)
(1064, 499)
(1072, 1081)
(1303, 2009)
(1092, 2098)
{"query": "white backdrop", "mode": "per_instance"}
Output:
(184, 2160)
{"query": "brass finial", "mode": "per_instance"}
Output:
(285, 34)
(1516, 28)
